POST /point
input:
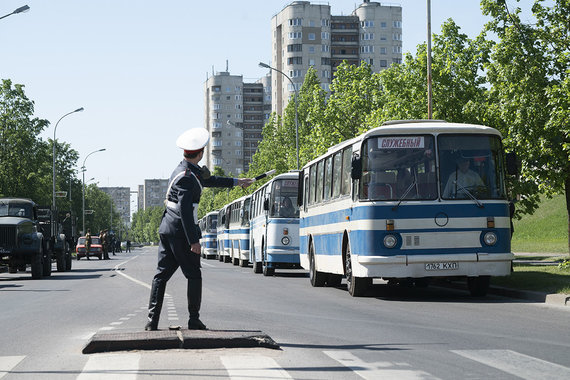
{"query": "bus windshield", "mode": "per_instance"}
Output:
(398, 167)
(211, 222)
(284, 199)
(471, 166)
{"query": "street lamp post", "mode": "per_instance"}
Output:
(53, 167)
(25, 8)
(83, 197)
(265, 65)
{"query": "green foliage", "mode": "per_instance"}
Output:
(145, 223)
(102, 205)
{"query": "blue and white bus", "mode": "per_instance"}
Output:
(209, 243)
(408, 201)
(222, 235)
(238, 212)
(275, 225)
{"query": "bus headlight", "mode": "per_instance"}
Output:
(285, 240)
(390, 241)
(490, 238)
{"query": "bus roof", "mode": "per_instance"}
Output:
(408, 127)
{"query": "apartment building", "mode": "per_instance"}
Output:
(121, 197)
(153, 193)
(235, 112)
(308, 35)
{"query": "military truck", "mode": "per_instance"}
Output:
(22, 242)
(55, 237)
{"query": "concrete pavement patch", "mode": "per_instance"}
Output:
(176, 339)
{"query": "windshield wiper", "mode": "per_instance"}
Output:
(404, 195)
(477, 201)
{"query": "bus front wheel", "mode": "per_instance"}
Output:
(357, 286)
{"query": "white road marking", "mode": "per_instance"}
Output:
(111, 366)
(253, 367)
(208, 264)
(7, 363)
(520, 365)
(378, 370)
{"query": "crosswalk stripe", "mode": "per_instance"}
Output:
(7, 363)
(111, 366)
(243, 367)
(378, 370)
(520, 365)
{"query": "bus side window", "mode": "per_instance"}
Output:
(346, 169)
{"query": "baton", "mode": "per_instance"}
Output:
(261, 176)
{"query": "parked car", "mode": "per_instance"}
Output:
(96, 248)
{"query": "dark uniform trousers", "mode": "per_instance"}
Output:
(177, 230)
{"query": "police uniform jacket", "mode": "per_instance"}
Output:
(179, 218)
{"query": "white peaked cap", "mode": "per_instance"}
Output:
(193, 139)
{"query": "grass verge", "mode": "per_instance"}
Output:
(539, 278)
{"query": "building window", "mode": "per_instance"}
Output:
(367, 24)
(367, 49)
(238, 106)
(397, 37)
(238, 143)
(326, 74)
(325, 48)
(216, 106)
(216, 89)
(295, 61)
(295, 35)
(383, 24)
(397, 60)
(325, 35)
(294, 47)
(383, 51)
(367, 36)
(311, 49)
(325, 22)
(397, 24)
(383, 63)
(311, 62)
(312, 23)
(238, 153)
(396, 49)
(312, 36)
(383, 37)
(294, 73)
(295, 22)
(216, 125)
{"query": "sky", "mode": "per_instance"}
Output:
(139, 67)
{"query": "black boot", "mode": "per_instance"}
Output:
(155, 304)
(194, 296)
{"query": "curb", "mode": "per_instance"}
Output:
(177, 339)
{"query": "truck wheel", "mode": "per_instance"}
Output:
(37, 265)
(60, 260)
(12, 269)
(47, 264)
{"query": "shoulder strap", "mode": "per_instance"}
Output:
(176, 179)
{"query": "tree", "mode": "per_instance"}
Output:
(23, 172)
(529, 96)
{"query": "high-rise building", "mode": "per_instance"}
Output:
(307, 35)
(121, 197)
(235, 112)
(153, 193)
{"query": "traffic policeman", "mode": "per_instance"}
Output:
(179, 244)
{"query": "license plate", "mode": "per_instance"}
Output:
(442, 266)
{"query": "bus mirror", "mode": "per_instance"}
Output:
(512, 164)
(356, 172)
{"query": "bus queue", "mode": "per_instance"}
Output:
(406, 202)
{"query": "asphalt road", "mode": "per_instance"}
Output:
(392, 333)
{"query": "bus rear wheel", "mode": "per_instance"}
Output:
(357, 286)
(317, 278)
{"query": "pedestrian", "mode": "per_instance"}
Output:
(103, 241)
(179, 244)
(87, 243)
(128, 246)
